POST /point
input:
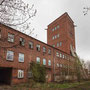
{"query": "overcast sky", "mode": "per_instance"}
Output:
(49, 10)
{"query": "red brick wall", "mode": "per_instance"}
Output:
(31, 54)
(66, 27)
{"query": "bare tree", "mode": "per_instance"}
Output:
(17, 14)
(86, 9)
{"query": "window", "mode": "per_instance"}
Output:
(22, 41)
(49, 62)
(53, 38)
(49, 51)
(10, 55)
(57, 54)
(57, 64)
(21, 57)
(58, 35)
(61, 65)
(60, 43)
(0, 33)
(55, 28)
(44, 61)
(20, 73)
(31, 45)
(60, 55)
(10, 37)
(30, 75)
(53, 45)
(57, 44)
(44, 49)
(38, 47)
(58, 26)
(38, 59)
(63, 56)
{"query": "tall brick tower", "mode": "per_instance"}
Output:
(61, 34)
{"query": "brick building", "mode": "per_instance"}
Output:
(17, 50)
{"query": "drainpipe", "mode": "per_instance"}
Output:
(53, 64)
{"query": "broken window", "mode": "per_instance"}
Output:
(31, 45)
(38, 47)
(22, 42)
(49, 51)
(44, 49)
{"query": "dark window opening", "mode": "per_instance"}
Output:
(38, 47)
(22, 41)
(5, 76)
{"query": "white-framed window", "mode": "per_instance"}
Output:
(49, 62)
(10, 55)
(10, 37)
(31, 45)
(0, 34)
(20, 73)
(57, 54)
(49, 51)
(60, 43)
(44, 49)
(22, 41)
(60, 55)
(38, 47)
(44, 61)
(38, 59)
(21, 57)
(57, 44)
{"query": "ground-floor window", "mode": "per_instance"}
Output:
(20, 73)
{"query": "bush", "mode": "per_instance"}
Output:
(38, 71)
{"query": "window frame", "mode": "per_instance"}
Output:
(20, 74)
(21, 61)
(22, 41)
(49, 62)
(11, 37)
(49, 51)
(38, 58)
(31, 45)
(38, 47)
(44, 49)
(10, 56)
(44, 61)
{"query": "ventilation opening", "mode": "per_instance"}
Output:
(5, 76)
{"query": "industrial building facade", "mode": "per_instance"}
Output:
(18, 50)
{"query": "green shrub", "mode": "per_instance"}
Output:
(38, 71)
